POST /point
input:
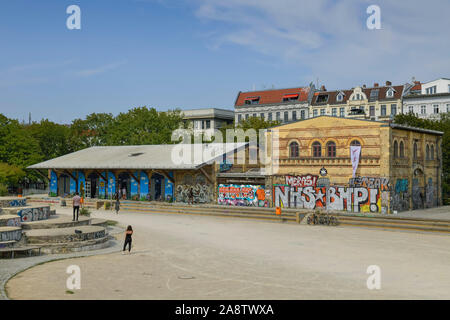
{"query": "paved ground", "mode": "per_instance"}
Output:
(198, 257)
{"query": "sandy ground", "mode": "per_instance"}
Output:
(198, 257)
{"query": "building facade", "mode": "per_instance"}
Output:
(399, 168)
(202, 120)
(430, 100)
(284, 105)
(376, 103)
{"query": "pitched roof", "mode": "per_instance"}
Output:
(272, 96)
(164, 156)
(332, 95)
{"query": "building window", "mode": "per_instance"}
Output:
(448, 108)
(340, 97)
(331, 149)
(415, 150)
(239, 117)
(302, 114)
(390, 93)
(254, 100)
(423, 109)
(294, 115)
(254, 115)
(290, 97)
(246, 116)
(395, 149)
(286, 116)
(293, 150)
(372, 111)
(432, 152)
(208, 124)
(315, 113)
(322, 112)
(402, 149)
(323, 98)
(278, 116)
(431, 90)
(411, 109)
(436, 108)
(262, 116)
(334, 112)
(427, 155)
(393, 109)
(342, 112)
(383, 110)
(356, 143)
(316, 149)
(269, 116)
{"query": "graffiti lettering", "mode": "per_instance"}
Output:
(370, 182)
(302, 181)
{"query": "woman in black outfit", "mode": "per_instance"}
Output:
(128, 234)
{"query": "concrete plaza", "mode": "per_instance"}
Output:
(200, 257)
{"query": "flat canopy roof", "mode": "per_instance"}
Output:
(166, 156)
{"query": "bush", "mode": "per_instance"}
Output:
(107, 205)
(3, 190)
(85, 212)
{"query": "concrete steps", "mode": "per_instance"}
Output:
(56, 222)
(64, 235)
(29, 213)
(9, 220)
(66, 247)
(10, 234)
(7, 202)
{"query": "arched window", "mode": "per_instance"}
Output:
(428, 152)
(356, 143)
(395, 149)
(432, 152)
(316, 149)
(331, 149)
(293, 150)
(415, 150)
(402, 149)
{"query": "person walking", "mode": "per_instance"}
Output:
(128, 235)
(117, 206)
(76, 201)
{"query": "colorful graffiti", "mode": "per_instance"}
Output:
(338, 198)
(194, 190)
(111, 184)
(53, 184)
(241, 195)
(18, 203)
(430, 194)
(302, 181)
(168, 187)
(370, 182)
(10, 222)
(11, 235)
(400, 195)
(34, 214)
(144, 188)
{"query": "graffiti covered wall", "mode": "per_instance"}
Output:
(194, 189)
(363, 194)
(241, 195)
(34, 214)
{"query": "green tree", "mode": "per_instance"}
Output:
(53, 138)
(10, 175)
(94, 130)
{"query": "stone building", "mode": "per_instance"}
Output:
(399, 167)
(283, 105)
(202, 120)
(376, 103)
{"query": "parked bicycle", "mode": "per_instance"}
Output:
(323, 219)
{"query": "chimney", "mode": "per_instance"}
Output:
(388, 83)
(322, 88)
(375, 85)
(364, 86)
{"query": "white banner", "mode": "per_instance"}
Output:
(355, 151)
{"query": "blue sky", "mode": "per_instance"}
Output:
(200, 53)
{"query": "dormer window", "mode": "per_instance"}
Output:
(322, 98)
(254, 100)
(290, 97)
(390, 93)
(340, 97)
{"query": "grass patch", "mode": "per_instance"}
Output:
(69, 292)
(111, 223)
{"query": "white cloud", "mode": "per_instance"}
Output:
(330, 38)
